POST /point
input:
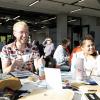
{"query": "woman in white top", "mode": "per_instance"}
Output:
(90, 58)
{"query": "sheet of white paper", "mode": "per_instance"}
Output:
(53, 78)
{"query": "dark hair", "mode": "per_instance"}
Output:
(65, 41)
(87, 37)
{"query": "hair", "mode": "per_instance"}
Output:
(49, 38)
(87, 37)
(65, 41)
(20, 23)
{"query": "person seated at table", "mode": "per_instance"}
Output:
(19, 55)
(75, 49)
(61, 57)
(90, 57)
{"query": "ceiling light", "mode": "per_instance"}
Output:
(48, 19)
(76, 10)
(34, 2)
(7, 19)
(34, 30)
(80, 1)
(16, 17)
(43, 26)
(71, 20)
(45, 20)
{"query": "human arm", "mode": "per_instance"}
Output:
(8, 63)
(44, 42)
(8, 66)
(49, 50)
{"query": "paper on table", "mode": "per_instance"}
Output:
(53, 78)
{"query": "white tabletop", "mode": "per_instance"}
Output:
(39, 85)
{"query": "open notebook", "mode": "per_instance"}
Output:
(53, 78)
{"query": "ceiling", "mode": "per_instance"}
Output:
(90, 7)
(45, 9)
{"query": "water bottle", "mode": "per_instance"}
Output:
(41, 72)
(79, 72)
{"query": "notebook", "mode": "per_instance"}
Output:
(53, 78)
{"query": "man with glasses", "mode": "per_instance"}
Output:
(19, 54)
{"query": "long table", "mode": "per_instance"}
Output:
(40, 91)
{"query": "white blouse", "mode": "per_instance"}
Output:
(91, 66)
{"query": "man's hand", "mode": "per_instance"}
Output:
(39, 62)
(17, 63)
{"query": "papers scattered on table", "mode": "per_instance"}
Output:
(21, 74)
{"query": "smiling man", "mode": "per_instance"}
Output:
(19, 55)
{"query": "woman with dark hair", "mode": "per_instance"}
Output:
(90, 59)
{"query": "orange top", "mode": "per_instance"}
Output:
(76, 49)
